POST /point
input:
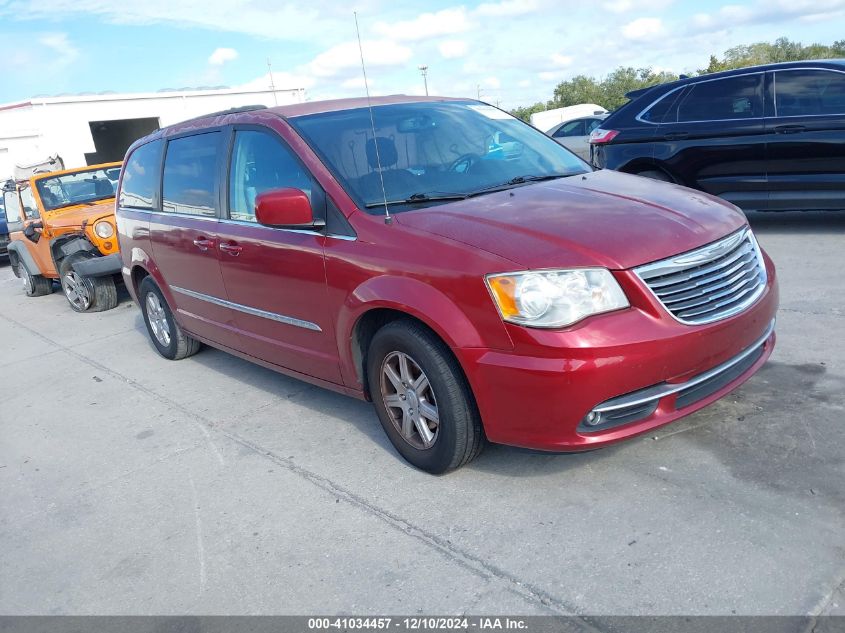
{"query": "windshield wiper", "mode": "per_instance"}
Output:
(418, 198)
(517, 180)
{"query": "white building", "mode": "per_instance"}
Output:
(97, 128)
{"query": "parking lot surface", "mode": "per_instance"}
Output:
(130, 484)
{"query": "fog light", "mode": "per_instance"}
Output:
(593, 418)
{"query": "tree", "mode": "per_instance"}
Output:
(610, 91)
(781, 50)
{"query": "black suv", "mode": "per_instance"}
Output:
(765, 138)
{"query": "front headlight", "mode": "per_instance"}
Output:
(555, 298)
(104, 229)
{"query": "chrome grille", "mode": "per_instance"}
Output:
(709, 283)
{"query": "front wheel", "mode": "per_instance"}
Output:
(86, 294)
(422, 398)
(169, 339)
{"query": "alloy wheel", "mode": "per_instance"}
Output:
(28, 281)
(409, 399)
(76, 291)
(157, 319)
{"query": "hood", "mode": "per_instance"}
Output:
(602, 218)
(74, 216)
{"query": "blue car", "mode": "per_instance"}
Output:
(4, 231)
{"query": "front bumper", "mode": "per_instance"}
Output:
(539, 395)
(99, 266)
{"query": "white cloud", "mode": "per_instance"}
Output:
(768, 12)
(66, 53)
(377, 53)
(643, 28)
(624, 6)
(561, 61)
(426, 25)
(548, 75)
(222, 55)
(507, 8)
(450, 49)
(524, 83)
(492, 82)
(276, 20)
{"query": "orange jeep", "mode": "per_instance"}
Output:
(61, 226)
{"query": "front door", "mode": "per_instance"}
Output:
(806, 140)
(714, 137)
(184, 237)
(276, 278)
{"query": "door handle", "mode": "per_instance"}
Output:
(789, 129)
(231, 248)
(676, 136)
(203, 243)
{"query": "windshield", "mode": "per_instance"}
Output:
(432, 151)
(79, 187)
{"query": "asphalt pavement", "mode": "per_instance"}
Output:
(130, 484)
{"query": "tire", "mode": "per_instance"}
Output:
(86, 294)
(655, 174)
(169, 339)
(34, 285)
(13, 262)
(456, 437)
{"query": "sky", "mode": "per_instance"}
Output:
(511, 52)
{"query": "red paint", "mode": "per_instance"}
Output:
(284, 207)
(532, 386)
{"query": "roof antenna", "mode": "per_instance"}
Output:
(387, 218)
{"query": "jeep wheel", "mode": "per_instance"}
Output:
(86, 294)
(422, 398)
(34, 285)
(169, 339)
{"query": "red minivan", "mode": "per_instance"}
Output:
(473, 278)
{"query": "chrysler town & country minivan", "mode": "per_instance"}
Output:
(470, 276)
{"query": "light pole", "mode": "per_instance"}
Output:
(424, 73)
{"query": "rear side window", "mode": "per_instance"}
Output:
(140, 177)
(663, 108)
(592, 124)
(723, 99)
(261, 162)
(190, 169)
(809, 92)
(573, 128)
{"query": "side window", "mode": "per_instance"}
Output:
(190, 169)
(573, 128)
(261, 162)
(592, 124)
(809, 92)
(664, 109)
(13, 206)
(30, 208)
(140, 177)
(721, 99)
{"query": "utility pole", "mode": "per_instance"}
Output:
(272, 83)
(478, 91)
(424, 73)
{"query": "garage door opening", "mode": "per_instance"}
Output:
(113, 138)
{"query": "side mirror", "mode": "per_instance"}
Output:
(285, 208)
